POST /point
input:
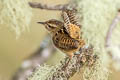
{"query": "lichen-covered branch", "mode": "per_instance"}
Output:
(113, 52)
(47, 7)
(67, 67)
(115, 21)
(45, 50)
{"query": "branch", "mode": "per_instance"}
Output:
(111, 28)
(113, 55)
(39, 57)
(85, 57)
(67, 68)
(47, 7)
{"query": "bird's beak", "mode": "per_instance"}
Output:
(41, 23)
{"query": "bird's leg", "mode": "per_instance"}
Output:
(78, 52)
(68, 59)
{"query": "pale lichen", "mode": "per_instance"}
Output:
(41, 72)
(16, 15)
(97, 17)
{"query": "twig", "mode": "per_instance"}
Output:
(48, 7)
(39, 57)
(109, 34)
(111, 28)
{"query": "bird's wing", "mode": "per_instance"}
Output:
(65, 42)
(69, 16)
(70, 23)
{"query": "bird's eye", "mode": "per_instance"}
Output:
(50, 26)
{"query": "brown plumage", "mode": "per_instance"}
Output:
(66, 35)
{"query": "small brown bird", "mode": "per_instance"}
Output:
(66, 35)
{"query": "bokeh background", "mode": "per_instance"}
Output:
(13, 51)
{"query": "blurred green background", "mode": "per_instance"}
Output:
(13, 51)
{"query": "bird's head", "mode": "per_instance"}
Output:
(52, 25)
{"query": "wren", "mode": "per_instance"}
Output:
(66, 35)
